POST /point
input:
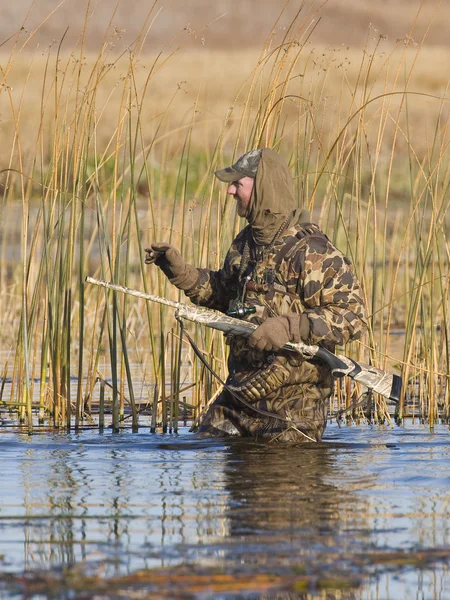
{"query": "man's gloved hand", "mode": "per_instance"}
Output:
(172, 264)
(275, 332)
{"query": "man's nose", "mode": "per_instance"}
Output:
(231, 189)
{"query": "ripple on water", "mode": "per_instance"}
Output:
(134, 501)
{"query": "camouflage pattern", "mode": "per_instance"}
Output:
(302, 273)
(245, 166)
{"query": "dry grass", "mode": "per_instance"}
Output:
(329, 81)
(105, 152)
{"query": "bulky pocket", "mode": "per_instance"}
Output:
(261, 383)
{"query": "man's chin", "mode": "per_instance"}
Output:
(241, 210)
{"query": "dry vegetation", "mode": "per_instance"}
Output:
(105, 150)
(204, 86)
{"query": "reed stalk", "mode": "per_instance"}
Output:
(106, 167)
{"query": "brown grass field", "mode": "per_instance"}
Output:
(406, 44)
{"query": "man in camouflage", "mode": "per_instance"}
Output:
(299, 287)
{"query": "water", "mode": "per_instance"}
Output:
(362, 515)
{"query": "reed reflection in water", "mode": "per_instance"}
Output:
(131, 501)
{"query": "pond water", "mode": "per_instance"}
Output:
(363, 515)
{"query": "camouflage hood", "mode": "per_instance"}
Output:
(273, 198)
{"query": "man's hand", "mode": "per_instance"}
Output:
(275, 332)
(166, 257)
(155, 252)
(172, 264)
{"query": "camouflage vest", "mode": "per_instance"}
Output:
(265, 285)
(261, 280)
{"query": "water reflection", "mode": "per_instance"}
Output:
(118, 503)
(287, 493)
(120, 499)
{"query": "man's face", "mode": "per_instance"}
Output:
(242, 192)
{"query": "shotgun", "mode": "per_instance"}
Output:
(384, 383)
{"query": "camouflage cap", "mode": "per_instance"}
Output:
(245, 166)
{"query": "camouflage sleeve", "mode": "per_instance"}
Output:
(215, 289)
(330, 293)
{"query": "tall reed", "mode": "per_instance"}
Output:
(105, 168)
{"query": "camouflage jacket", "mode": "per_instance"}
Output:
(302, 272)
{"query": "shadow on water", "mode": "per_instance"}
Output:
(179, 517)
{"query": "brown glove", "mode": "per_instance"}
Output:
(172, 264)
(275, 332)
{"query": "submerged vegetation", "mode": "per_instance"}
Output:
(104, 153)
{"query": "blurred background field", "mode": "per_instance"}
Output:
(113, 118)
(224, 24)
(205, 53)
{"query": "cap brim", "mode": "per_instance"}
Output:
(229, 175)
